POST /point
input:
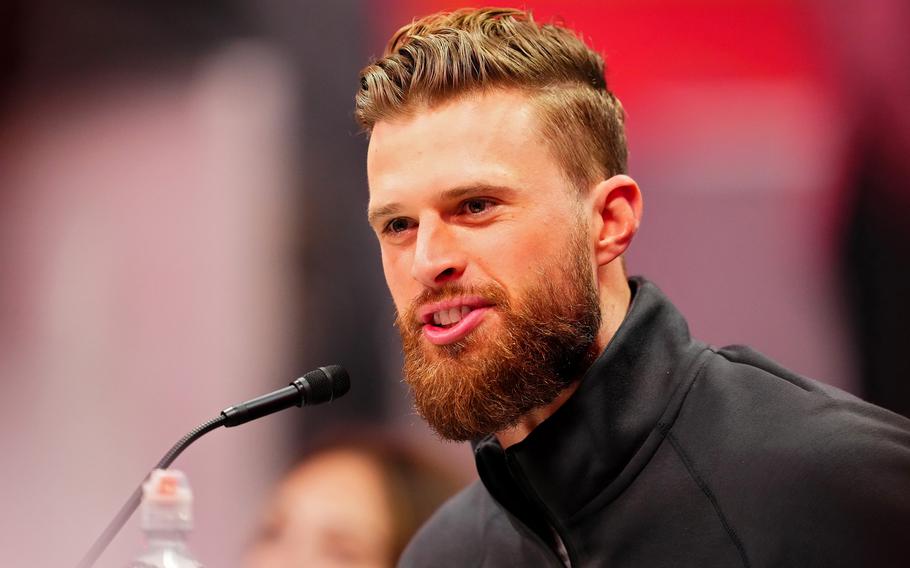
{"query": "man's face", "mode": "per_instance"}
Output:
(486, 252)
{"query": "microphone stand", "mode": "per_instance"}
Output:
(133, 502)
(321, 385)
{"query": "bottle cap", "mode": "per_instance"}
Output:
(167, 501)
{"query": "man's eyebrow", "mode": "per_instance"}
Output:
(460, 192)
(373, 215)
(475, 189)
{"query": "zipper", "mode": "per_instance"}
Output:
(527, 532)
(552, 523)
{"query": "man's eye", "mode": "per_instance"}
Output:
(398, 225)
(475, 206)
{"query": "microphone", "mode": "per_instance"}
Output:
(324, 384)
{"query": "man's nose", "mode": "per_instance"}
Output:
(438, 258)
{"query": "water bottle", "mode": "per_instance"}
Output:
(167, 518)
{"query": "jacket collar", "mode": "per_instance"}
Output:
(572, 458)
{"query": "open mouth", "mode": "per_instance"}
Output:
(451, 320)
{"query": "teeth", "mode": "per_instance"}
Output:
(450, 316)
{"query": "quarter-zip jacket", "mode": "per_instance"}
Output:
(673, 453)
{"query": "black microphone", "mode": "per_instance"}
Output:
(325, 384)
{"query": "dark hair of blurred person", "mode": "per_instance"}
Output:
(353, 500)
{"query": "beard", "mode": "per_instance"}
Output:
(485, 382)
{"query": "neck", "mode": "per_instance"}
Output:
(615, 297)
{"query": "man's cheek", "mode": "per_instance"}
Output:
(396, 274)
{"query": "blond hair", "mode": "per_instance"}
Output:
(451, 54)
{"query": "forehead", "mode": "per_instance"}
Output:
(488, 138)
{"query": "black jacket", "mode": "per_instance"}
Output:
(673, 453)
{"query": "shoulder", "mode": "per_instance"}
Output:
(453, 533)
(471, 530)
(741, 379)
(766, 410)
(777, 447)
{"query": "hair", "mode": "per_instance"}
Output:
(448, 55)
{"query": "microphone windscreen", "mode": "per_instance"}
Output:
(324, 384)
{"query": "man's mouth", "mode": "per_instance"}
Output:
(451, 320)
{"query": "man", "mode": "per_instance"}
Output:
(603, 434)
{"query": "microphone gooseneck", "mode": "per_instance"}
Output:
(324, 384)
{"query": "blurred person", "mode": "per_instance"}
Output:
(871, 43)
(603, 434)
(354, 501)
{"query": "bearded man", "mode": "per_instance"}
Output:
(603, 434)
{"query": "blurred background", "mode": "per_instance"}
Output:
(182, 198)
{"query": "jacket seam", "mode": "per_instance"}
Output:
(726, 356)
(731, 532)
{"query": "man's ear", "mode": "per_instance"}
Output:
(617, 208)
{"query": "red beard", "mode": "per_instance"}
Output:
(485, 382)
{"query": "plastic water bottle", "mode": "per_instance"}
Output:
(167, 518)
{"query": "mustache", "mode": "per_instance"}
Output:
(492, 293)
